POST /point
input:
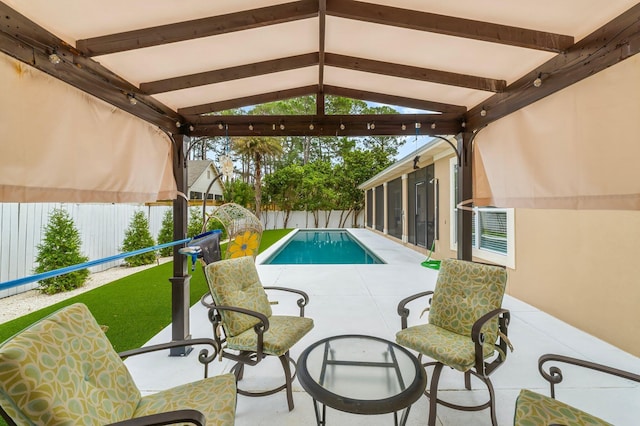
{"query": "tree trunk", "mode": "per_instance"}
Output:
(327, 216)
(286, 219)
(258, 183)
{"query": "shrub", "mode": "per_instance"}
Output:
(60, 248)
(195, 224)
(137, 237)
(166, 233)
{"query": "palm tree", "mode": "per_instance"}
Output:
(256, 148)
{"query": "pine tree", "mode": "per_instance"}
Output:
(60, 248)
(166, 233)
(137, 237)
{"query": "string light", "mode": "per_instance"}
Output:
(220, 126)
(342, 127)
(251, 127)
(403, 127)
(483, 112)
(538, 81)
(311, 126)
(433, 125)
(54, 58)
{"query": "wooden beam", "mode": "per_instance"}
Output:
(247, 101)
(322, 24)
(26, 41)
(232, 73)
(205, 27)
(414, 73)
(448, 25)
(394, 100)
(327, 125)
(607, 46)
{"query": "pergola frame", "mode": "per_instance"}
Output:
(28, 42)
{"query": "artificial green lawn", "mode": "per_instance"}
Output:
(135, 308)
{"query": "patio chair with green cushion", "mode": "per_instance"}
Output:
(467, 328)
(533, 409)
(63, 370)
(243, 323)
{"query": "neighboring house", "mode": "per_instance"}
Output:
(200, 175)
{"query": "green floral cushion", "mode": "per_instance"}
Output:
(533, 409)
(283, 333)
(235, 282)
(215, 397)
(64, 371)
(465, 291)
(451, 349)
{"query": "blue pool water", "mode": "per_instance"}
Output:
(311, 247)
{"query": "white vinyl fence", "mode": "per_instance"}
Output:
(102, 228)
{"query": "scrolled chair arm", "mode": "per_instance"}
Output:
(204, 357)
(478, 338)
(301, 302)
(403, 311)
(554, 376)
(171, 417)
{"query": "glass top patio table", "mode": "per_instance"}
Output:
(361, 375)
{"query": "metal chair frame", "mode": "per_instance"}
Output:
(482, 368)
(252, 358)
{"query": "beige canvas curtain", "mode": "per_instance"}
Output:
(576, 149)
(59, 144)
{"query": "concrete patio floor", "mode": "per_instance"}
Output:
(362, 299)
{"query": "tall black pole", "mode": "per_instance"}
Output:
(465, 192)
(180, 294)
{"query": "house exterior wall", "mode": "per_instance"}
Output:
(578, 265)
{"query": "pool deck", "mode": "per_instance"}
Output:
(362, 299)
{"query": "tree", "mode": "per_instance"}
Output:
(166, 233)
(137, 237)
(60, 248)
(239, 192)
(257, 148)
(284, 188)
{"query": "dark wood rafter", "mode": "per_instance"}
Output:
(232, 73)
(448, 25)
(607, 46)
(205, 27)
(322, 24)
(327, 125)
(26, 41)
(194, 111)
(414, 73)
(394, 100)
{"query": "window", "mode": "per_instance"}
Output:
(493, 231)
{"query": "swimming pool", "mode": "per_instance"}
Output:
(314, 247)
